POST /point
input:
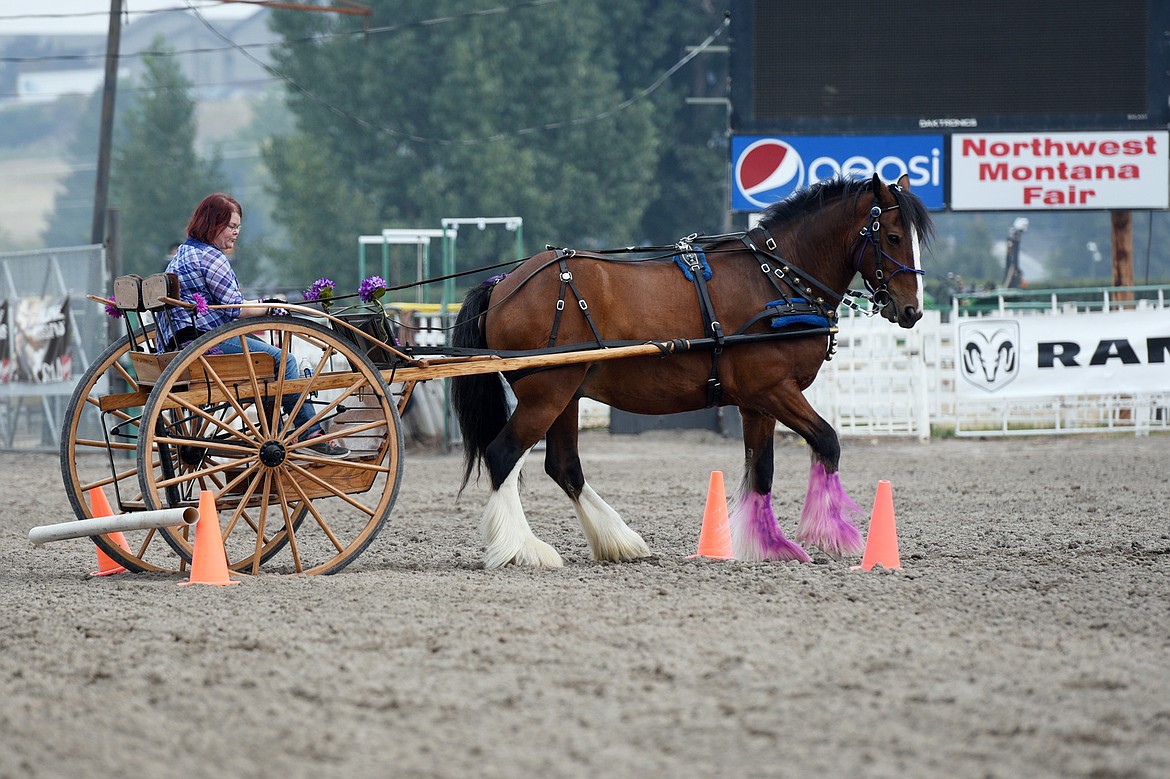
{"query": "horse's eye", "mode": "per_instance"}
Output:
(895, 239)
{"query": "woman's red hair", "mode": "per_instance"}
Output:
(212, 215)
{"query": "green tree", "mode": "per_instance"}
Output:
(157, 179)
(691, 161)
(71, 222)
(482, 116)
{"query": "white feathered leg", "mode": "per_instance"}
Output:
(507, 537)
(610, 538)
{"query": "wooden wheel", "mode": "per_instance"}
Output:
(97, 451)
(217, 422)
(98, 448)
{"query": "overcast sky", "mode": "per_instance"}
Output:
(65, 17)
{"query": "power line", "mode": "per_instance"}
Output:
(336, 110)
(243, 49)
(76, 15)
(320, 38)
(157, 89)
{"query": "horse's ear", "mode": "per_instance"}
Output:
(904, 182)
(881, 191)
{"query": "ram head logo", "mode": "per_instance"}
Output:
(990, 355)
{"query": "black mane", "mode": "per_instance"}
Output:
(814, 197)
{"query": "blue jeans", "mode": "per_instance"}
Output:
(291, 371)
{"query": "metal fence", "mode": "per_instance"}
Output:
(31, 410)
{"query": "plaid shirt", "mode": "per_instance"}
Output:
(204, 269)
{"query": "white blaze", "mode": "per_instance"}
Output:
(915, 248)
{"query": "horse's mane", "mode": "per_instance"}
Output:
(812, 198)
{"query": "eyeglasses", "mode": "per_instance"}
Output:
(234, 228)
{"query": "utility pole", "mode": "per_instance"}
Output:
(1122, 253)
(101, 190)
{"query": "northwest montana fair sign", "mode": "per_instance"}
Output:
(1093, 170)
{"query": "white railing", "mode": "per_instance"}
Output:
(888, 381)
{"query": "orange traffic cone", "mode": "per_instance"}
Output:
(100, 507)
(881, 543)
(209, 560)
(715, 535)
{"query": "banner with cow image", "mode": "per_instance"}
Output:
(1044, 355)
(40, 339)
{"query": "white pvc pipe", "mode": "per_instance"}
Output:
(138, 520)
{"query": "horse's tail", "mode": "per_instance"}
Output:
(479, 400)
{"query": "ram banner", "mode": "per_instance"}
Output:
(1030, 356)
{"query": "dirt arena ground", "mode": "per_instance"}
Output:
(1028, 634)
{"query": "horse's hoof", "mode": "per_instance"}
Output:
(532, 554)
(845, 541)
(622, 550)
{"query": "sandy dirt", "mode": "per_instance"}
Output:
(1028, 634)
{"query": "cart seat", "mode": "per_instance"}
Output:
(229, 368)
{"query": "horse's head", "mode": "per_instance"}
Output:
(894, 227)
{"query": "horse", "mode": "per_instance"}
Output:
(760, 310)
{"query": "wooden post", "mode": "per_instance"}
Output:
(1122, 253)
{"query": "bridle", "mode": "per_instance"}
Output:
(878, 293)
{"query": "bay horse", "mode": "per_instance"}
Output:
(760, 309)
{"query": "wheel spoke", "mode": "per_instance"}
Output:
(228, 394)
(126, 376)
(211, 419)
(202, 443)
(254, 476)
(326, 354)
(292, 536)
(300, 431)
(336, 492)
(192, 475)
(108, 480)
(317, 516)
(267, 487)
(116, 445)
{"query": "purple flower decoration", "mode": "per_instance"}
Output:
(372, 289)
(113, 311)
(200, 303)
(320, 290)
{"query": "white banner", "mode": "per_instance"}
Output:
(1028, 356)
(1098, 170)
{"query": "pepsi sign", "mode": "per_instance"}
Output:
(765, 169)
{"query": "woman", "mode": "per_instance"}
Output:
(203, 269)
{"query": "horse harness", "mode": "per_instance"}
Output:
(805, 301)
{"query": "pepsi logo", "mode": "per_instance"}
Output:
(768, 170)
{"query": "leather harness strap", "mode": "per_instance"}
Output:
(692, 259)
(796, 280)
(567, 284)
